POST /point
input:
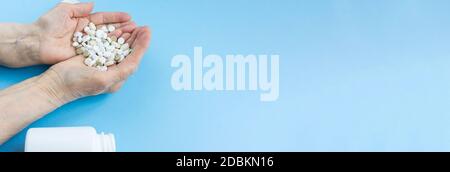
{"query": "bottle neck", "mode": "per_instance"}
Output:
(106, 142)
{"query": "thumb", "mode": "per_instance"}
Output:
(82, 9)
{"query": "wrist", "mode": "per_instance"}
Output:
(30, 44)
(19, 44)
(54, 89)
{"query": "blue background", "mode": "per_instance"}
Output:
(355, 75)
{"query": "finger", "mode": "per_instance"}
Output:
(125, 28)
(77, 61)
(142, 40)
(130, 64)
(109, 17)
(124, 25)
(116, 87)
(115, 33)
(82, 22)
(131, 40)
(139, 46)
(81, 9)
(126, 36)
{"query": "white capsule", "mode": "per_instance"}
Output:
(99, 33)
(99, 48)
(107, 54)
(104, 35)
(98, 41)
(104, 29)
(94, 57)
(96, 48)
(102, 60)
(91, 33)
(114, 44)
(79, 51)
(125, 47)
(89, 47)
(92, 26)
(110, 63)
(113, 38)
(75, 44)
(120, 52)
(80, 39)
(100, 53)
(89, 62)
(126, 52)
(110, 49)
(77, 34)
(92, 42)
(106, 44)
(87, 29)
(121, 57)
(111, 28)
(86, 53)
(86, 38)
(121, 40)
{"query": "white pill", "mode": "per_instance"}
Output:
(121, 40)
(121, 57)
(104, 29)
(107, 54)
(86, 38)
(86, 29)
(110, 63)
(89, 47)
(126, 52)
(111, 28)
(115, 44)
(80, 39)
(94, 57)
(89, 62)
(100, 54)
(125, 47)
(92, 26)
(77, 34)
(75, 44)
(79, 51)
(96, 48)
(91, 32)
(99, 49)
(86, 53)
(99, 33)
(102, 60)
(113, 38)
(92, 42)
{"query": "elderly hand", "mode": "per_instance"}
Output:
(56, 28)
(72, 79)
(49, 39)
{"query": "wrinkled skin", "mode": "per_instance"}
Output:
(56, 28)
(77, 80)
(48, 41)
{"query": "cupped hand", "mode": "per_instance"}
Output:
(56, 28)
(72, 79)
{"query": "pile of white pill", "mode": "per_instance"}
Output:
(98, 48)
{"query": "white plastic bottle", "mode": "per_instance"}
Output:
(68, 139)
